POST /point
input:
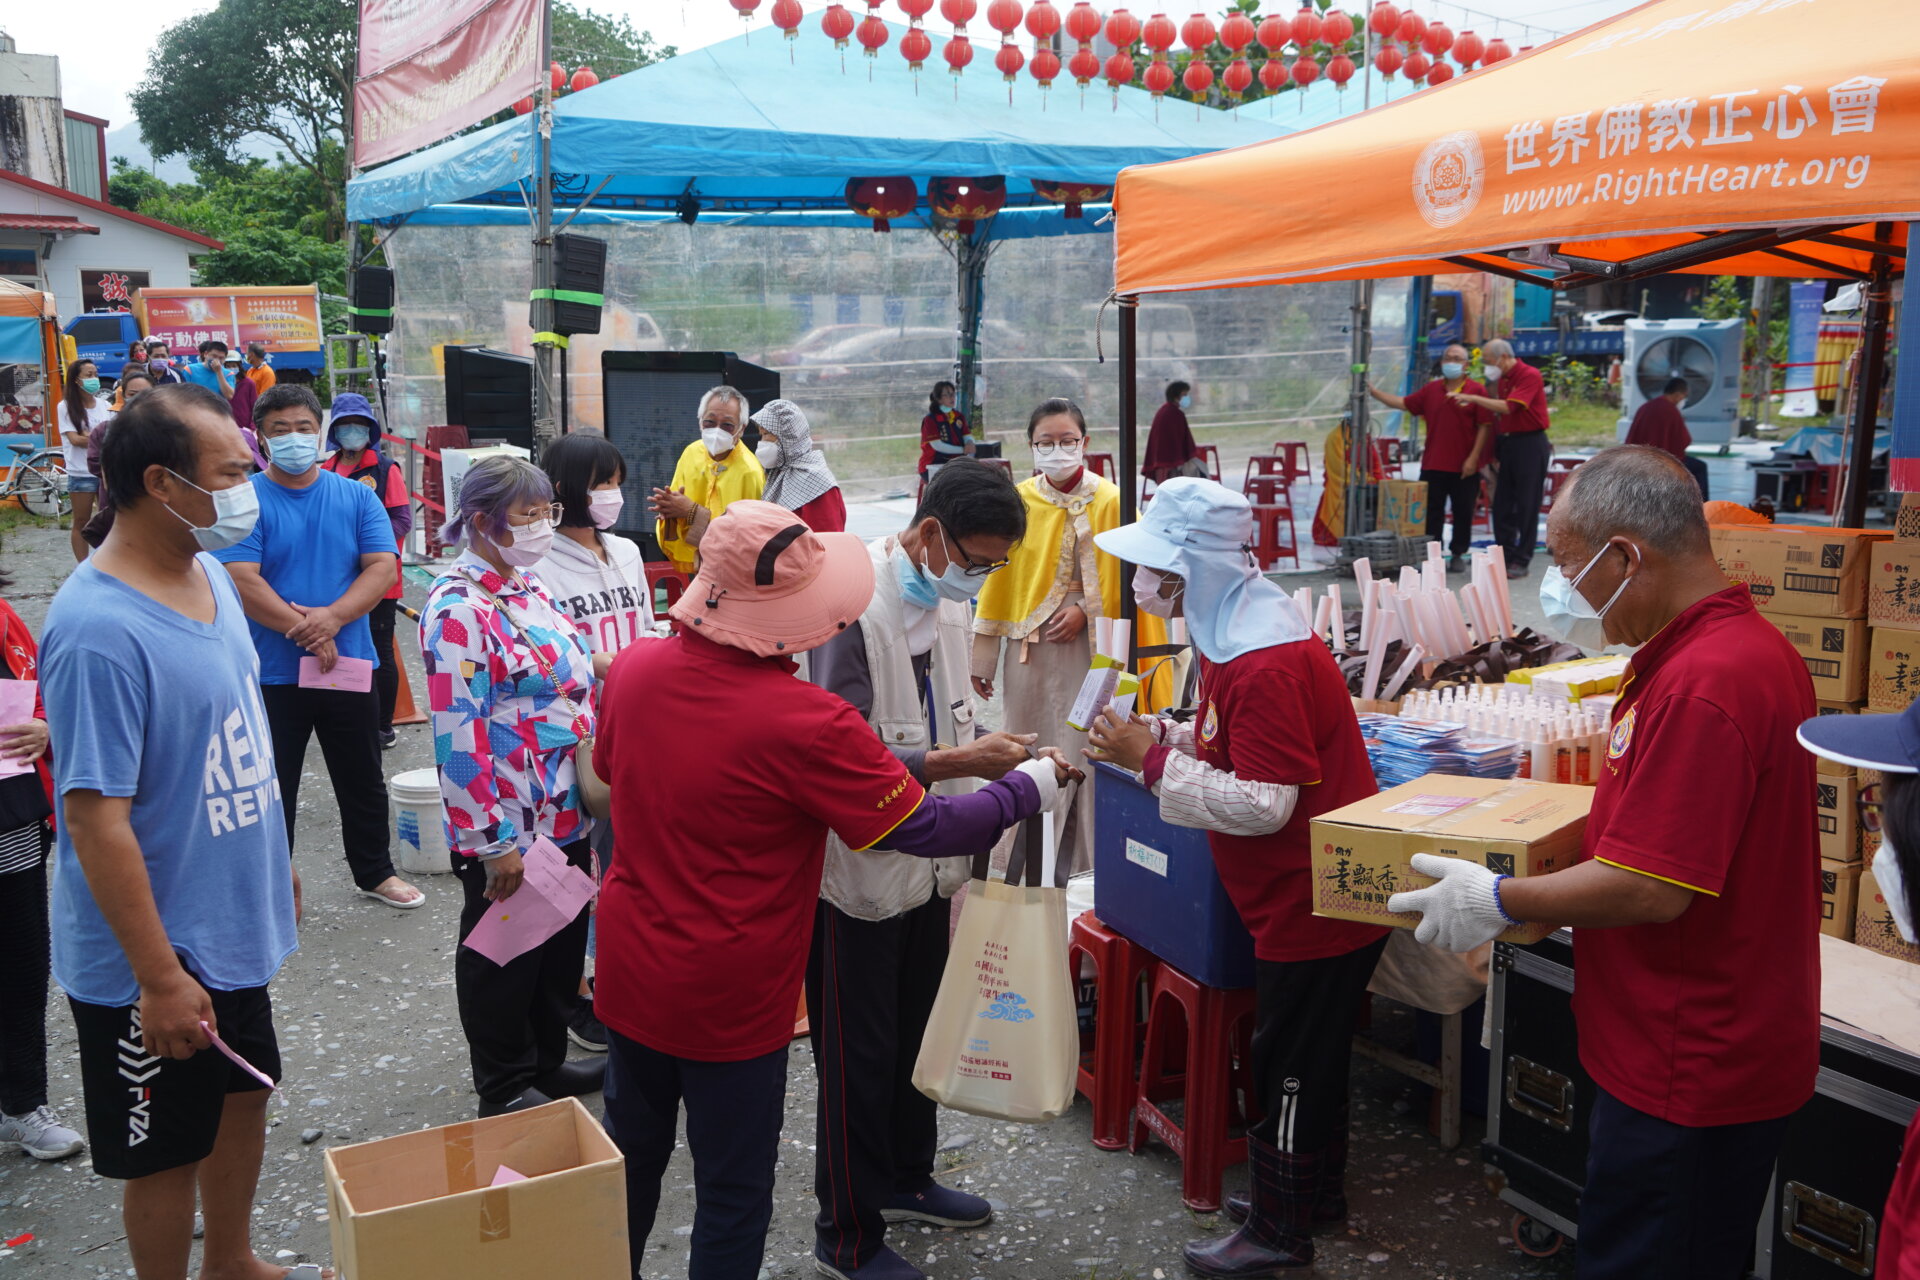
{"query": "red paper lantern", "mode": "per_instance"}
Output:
(958, 53)
(1438, 40)
(1417, 65)
(1084, 66)
(1197, 33)
(1004, 16)
(1337, 28)
(745, 8)
(966, 200)
(557, 77)
(1159, 33)
(1119, 70)
(1122, 29)
(1198, 77)
(1304, 71)
(786, 16)
(916, 47)
(838, 24)
(1305, 26)
(1043, 20)
(1340, 70)
(523, 106)
(584, 78)
(1237, 32)
(1044, 66)
(872, 34)
(1497, 51)
(1083, 22)
(1071, 194)
(1412, 27)
(1158, 78)
(959, 13)
(1440, 74)
(1387, 59)
(915, 10)
(1273, 74)
(1467, 49)
(1237, 78)
(1384, 20)
(1009, 60)
(1272, 33)
(882, 199)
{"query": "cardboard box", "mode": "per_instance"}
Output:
(423, 1204)
(1803, 571)
(1873, 924)
(1403, 507)
(1362, 852)
(1834, 649)
(1893, 669)
(1906, 522)
(1821, 764)
(1893, 585)
(1839, 897)
(1838, 818)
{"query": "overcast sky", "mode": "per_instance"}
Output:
(102, 56)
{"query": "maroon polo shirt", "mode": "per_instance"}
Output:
(1450, 427)
(1523, 387)
(1660, 423)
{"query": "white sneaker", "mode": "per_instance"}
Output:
(40, 1134)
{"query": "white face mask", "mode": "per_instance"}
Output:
(1893, 887)
(235, 512)
(1146, 592)
(604, 506)
(1568, 614)
(1493, 373)
(1057, 461)
(719, 443)
(768, 451)
(531, 542)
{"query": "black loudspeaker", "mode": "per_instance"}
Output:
(652, 406)
(579, 283)
(371, 303)
(490, 393)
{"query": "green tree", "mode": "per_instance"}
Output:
(611, 46)
(273, 255)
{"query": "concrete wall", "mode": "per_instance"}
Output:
(33, 130)
(120, 246)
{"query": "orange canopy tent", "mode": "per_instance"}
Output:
(30, 334)
(1735, 137)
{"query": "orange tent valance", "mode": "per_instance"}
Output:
(1738, 137)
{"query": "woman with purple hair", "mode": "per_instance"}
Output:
(508, 679)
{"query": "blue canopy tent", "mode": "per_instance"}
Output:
(736, 133)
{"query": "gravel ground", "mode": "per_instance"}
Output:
(372, 1047)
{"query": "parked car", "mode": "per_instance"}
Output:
(926, 354)
(808, 346)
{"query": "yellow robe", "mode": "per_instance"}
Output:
(1025, 594)
(711, 484)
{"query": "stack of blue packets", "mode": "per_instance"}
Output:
(1402, 749)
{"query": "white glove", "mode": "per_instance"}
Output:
(1047, 778)
(1461, 910)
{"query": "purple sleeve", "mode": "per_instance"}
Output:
(962, 826)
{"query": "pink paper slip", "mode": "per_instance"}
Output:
(16, 707)
(547, 900)
(503, 1175)
(354, 675)
(237, 1060)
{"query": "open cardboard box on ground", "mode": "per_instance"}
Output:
(422, 1205)
(1362, 853)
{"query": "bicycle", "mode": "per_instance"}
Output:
(38, 479)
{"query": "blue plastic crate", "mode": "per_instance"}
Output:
(1155, 884)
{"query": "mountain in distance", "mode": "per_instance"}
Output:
(126, 141)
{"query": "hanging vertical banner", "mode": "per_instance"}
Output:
(1803, 341)
(1904, 469)
(428, 69)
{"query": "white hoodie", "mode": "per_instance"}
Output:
(608, 601)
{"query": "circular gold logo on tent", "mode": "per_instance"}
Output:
(1448, 178)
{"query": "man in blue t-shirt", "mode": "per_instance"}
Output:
(211, 372)
(321, 556)
(174, 902)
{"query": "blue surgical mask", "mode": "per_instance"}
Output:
(1568, 614)
(352, 439)
(1452, 370)
(954, 582)
(294, 453)
(1186, 402)
(235, 511)
(915, 589)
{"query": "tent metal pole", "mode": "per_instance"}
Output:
(1129, 431)
(971, 254)
(1873, 371)
(1358, 470)
(545, 429)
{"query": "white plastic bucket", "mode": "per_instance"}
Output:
(420, 836)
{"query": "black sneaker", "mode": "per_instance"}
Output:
(585, 1030)
(389, 739)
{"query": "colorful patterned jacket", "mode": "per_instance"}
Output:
(502, 739)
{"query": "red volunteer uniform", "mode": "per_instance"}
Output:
(1451, 428)
(1282, 714)
(1524, 388)
(706, 916)
(1712, 1018)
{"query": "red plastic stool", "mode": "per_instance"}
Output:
(662, 575)
(1218, 1026)
(1106, 1074)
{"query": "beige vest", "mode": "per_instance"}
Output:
(877, 884)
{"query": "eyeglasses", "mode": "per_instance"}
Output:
(1867, 803)
(533, 515)
(720, 424)
(972, 568)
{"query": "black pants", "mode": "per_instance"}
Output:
(515, 1015)
(23, 992)
(734, 1111)
(347, 725)
(1697, 468)
(1462, 493)
(1664, 1201)
(1524, 459)
(386, 677)
(1305, 1012)
(870, 988)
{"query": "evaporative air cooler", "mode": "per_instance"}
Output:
(1704, 352)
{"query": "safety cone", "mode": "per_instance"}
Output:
(404, 712)
(800, 1028)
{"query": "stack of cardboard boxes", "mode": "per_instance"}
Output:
(1893, 678)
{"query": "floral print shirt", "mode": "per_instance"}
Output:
(503, 738)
